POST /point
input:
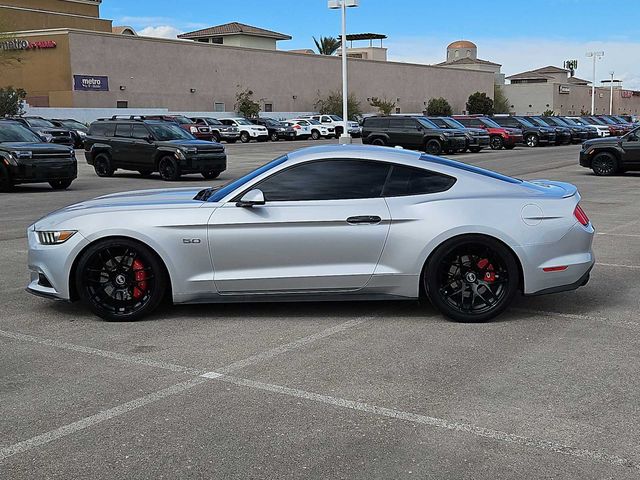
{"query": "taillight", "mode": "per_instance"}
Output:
(581, 216)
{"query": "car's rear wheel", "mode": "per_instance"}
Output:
(169, 169)
(604, 164)
(496, 142)
(433, 147)
(245, 137)
(475, 149)
(471, 278)
(531, 140)
(210, 175)
(120, 280)
(315, 135)
(5, 179)
(60, 184)
(215, 137)
(103, 166)
(379, 142)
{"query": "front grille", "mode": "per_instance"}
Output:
(47, 156)
(204, 129)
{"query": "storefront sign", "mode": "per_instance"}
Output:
(626, 93)
(19, 44)
(91, 83)
(564, 89)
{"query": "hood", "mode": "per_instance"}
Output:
(201, 145)
(52, 130)
(36, 147)
(611, 140)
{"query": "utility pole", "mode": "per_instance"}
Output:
(595, 56)
(611, 94)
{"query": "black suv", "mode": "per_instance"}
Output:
(276, 129)
(610, 155)
(77, 129)
(578, 133)
(219, 131)
(151, 146)
(534, 135)
(563, 134)
(411, 132)
(477, 138)
(47, 130)
(25, 158)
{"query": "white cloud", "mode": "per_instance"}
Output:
(161, 31)
(521, 54)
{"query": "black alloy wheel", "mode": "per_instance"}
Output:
(169, 169)
(472, 279)
(604, 165)
(433, 147)
(245, 137)
(120, 280)
(60, 184)
(274, 137)
(102, 165)
(210, 175)
(315, 135)
(531, 140)
(496, 142)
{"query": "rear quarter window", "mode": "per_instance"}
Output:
(376, 123)
(404, 181)
(102, 129)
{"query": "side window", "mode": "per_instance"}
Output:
(100, 129)
(339, 179)
(325, 119)
(415, 181)
(376, 123)
(474, 123)
(410, 124)
(139, 132)
(123, 130)
(397, 123)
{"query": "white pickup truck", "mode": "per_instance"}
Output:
(337, 123)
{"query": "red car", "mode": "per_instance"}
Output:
(500, 136)
(201, 132)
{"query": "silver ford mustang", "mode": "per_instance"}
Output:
(337, 222)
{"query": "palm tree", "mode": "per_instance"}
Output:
(327, 45)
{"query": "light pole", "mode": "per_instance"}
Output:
(611, 93)
(596, 56)
(343, 4)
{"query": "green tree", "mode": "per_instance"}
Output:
(500, 101)
(384, 106)
(480, 103)
(548, 113)
(327, 45)
(11, 101)
(332, 105)
(245, 104)
(439, 107)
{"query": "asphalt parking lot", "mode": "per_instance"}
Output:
(335, 390)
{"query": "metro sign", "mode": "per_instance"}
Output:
(19, 44)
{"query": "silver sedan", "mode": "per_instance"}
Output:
(322, 223)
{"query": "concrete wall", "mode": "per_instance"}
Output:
(160, 73)
(76, 7)
(249, 41)
(22, 19)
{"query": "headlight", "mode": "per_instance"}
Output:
(181, 154)
(22, 154)
(55, 237)
(469, 136)
(81, 133)
(193, 129)
(447, 134)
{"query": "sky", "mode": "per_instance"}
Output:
(520, 35)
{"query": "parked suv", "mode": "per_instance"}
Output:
(219, 131)
(610, 155)
(578, 133)
(477, 138)
(151, 146)
(336, 122)
(25, 158)
(276, 129)
(534, 135)
(318, 130)
(500, 137)
(201, 132)
(563, 134)
(77, 129)
(411, 132)
(248, 130)
(47, 130)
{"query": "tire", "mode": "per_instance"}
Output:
(60, 184)
(604, 165)
(531, 140)
(471, 278)
(475, 149)
(215, 137)
(5, 179)
(315, 135)
(145, 173)
(496, 143)
(120, 280)
(273, 137)
(433, 147)
(211, 175)
(245, 137)
(103, 166)
(169, 169)
(379, 142)
(509, 147)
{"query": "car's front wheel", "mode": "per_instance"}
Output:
(103, 166)
(433, 147)
(531, 140)
(604, 165)
(315, 135)
(120, 279)
(60, 184)
(471, 278)
(496, 142)
(273, 137)
(245, 137)
(169, 169)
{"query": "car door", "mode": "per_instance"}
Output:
(120, 146)
(322, 229)
(141, 149)
(631, 146)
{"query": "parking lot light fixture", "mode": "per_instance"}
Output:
(342, 5)
(595, 56)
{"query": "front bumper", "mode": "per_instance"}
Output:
(204, 163)
(44, 171)
(479, 141)
(456, 143)
(512, 140)
(585, 158)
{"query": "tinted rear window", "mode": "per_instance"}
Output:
(376, 122)
(100, 129)
(415, 181)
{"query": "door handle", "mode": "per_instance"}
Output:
(364, 220)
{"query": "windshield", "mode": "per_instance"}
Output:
(10, 132)
(72, 124)
(539, 121)
(166, 132)
(242, 121)
(452, 123)
(592, 121)
(314, 122)
(560, 121)
(40, 123)
(273, 123)
(218, 193)
(425, 122)
(525, 122)
(569, 121)
(182, 120)
(488, 122)
(335, 118)
(212, 121)
(606, 120)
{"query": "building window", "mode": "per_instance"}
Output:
(218, 107)
(457, 54)
(468, 53)
(217, 40)
(122, 104)
(397, 109)
(268, 107)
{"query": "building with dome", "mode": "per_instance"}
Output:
(463, 54)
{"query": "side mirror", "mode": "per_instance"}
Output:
(252, 198)
(150, 138)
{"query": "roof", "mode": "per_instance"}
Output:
(538, 73)
(123, 30)
(234, 28)
(578, 81)
(467, 61)
(462, 44)
(366, 36)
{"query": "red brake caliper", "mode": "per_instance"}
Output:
(489, 275)
(141, 277)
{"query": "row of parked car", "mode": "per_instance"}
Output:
(460, 133)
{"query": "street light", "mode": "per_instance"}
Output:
(596, 56)
(343, 4)
(611, 93)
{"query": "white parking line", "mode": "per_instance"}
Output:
(609, 234)
(618, 265)
(84, 423)
(576, 316)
